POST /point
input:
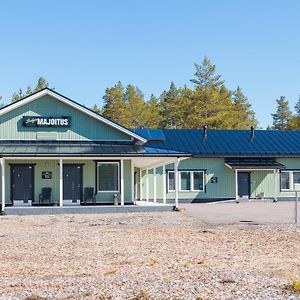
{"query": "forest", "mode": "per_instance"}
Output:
(208, 102)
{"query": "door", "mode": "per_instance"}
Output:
(72, 182)
(244, 184)
(22, 178)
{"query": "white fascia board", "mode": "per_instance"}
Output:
(74, 105)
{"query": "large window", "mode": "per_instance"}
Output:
(288, 179)
(108, 176)
(188, 181)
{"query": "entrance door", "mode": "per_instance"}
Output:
(244, 184)
(72, 184)
(22, 184)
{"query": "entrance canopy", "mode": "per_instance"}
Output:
(253, 163)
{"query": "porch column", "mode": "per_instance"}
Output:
(176, 163)
(61, 194)
(147, 185)
(122, 181)
(3, 183)
(141, 185)
(164, 183)
(275, 185)
(132, 182)
(236, 185)
(154, 184)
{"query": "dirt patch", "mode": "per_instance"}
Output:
(144, 256)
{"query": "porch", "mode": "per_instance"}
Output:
(23, 180)
(250, 177)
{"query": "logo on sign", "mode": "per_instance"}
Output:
(29, 121)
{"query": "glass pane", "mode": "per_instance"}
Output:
(108, 177)
(296, 176)
(285, 180)
(171, 181)
(198, 181)
(185, 181)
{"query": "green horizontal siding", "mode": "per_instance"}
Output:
(89, 179)
(83, 126)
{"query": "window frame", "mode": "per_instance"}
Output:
(98, 177)
(291, 180)
(168, 181)
(191, 173)
(192, 180)
(180, 188)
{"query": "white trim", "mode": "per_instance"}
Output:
(154, 184)
(61, 183)
(74, 105)
(236, 184)
(191, 174)
(176, 165)
(147, 185)
(168, 184)
(3, 183)
(97, 175)
(180, 189)
(291, 180)
(122, 182)
(203, 180)
(133, 194)
(164, 184)
(141, 185)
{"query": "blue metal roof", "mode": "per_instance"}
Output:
(228, 143)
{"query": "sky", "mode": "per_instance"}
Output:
(83, 47)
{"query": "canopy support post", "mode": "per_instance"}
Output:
(164, 184)
(236, 186)
(122, 182)
(275, 185)
(61, 196)
(3, 183)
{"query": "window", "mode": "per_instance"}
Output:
(108, 176)
(285, 180)
(185, 181)
(188, 181)
(288, 179)
(198, 181)
(171, 181)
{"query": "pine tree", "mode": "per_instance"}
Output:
(136, 105)
(205, 75)
(243, 116)
(114, 105)
(41, 84)
(169, 100)
(283, 114)
(297, 107)
(153, 116)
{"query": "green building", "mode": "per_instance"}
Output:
(55, 151)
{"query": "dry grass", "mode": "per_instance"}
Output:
(294, 285)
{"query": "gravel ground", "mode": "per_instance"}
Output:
(144, 256)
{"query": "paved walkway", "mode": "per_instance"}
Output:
(250, 212)
(96, 209)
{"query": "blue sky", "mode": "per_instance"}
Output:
(82, 47)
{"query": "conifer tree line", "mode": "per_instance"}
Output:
(208, 102)
(284, 118)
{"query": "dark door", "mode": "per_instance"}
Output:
(22, 183)
(72, 182)
(244, 184)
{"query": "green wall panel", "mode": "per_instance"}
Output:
(53, 166)
(83, 127)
